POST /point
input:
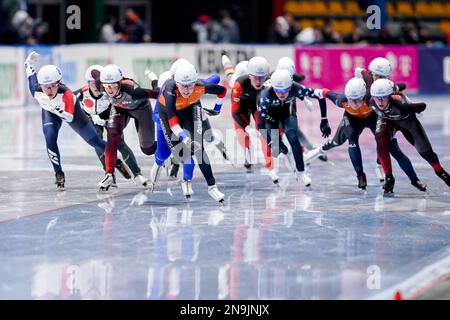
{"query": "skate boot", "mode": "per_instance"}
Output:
(380, 173)
(107, 182)
(154, 176)
(444, 175)
(60, 180)
(313, 154)
(174, 171)
(225, 154)
(419, 184)
(303, 178)
(123, 168)
(273, 175)
(214, 192)
(248, 160)
(186, 186)
(389, 185)
(362, 181)
(323, 158)
(140, 180)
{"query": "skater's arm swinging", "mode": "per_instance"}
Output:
(219, 91)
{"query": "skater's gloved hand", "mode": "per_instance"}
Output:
(32, 59)
(358, 72)
(151, 75)
(419, 107)
(226, 62)
(99, 121)
(30, 63)
(325, 128)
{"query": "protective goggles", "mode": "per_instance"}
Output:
(51, 86)
(258, 78)
(384, 98)
(359, 100)
(189, 86)
(278, 90)
(110, 85)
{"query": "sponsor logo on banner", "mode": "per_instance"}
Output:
(434, 70)
(332, 67)
(209, 60)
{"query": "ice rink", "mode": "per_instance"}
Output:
(332, 241)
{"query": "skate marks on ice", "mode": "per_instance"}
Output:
(267, 242)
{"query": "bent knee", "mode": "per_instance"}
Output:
(149, 150)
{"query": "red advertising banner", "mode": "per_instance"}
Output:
(333, 66)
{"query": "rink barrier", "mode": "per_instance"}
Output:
(424, 70)
(420, 283)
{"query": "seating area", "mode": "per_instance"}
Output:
(344, 13)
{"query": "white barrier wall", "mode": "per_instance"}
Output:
(73, 60)
(12, 74)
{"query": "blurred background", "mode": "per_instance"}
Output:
(229, 21)
(327, 39)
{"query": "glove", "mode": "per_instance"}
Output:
(151, 75)
(419, 107)
(32, 59)
(308, 104)
(99, 121)
(30, 63)
(58, 109)
(358, 72)
(226, 62)
(325, 128)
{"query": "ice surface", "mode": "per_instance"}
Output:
(266, 242)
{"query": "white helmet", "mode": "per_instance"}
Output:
(185, 74)
(179, 62)
(88, 76)
(49, 74)
(258, 66)
(382, 88)
(380, 67)
(281, 79)
(163, 77)
(111, 74)
(241, 68)
(355, 89)
(286, 63)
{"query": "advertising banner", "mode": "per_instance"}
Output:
(12, 71)
(434, 70)
(332, 67)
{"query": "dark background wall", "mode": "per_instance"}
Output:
(172, 19)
